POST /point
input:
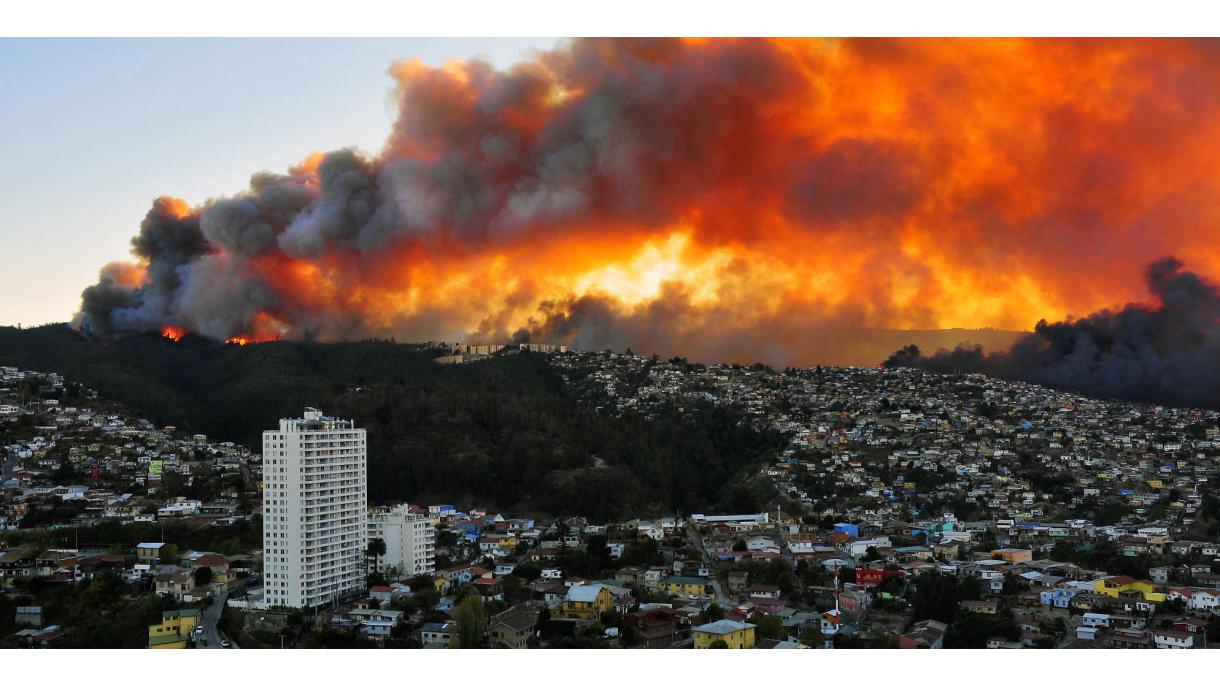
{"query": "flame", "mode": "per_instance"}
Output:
(239, 340)
(735, 195)
(175, 207)
(172, 333)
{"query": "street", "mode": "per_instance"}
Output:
(211, 637)
(722, 599)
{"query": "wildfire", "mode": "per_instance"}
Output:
(717, 197)
(172, 333)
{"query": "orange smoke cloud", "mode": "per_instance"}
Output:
(735, 198)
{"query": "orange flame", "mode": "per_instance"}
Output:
(172, 333)
(722, 197)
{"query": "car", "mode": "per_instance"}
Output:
(224, 643)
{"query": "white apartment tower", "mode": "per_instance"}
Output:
(410, 540)
(315, 500)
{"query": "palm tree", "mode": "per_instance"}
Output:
(376, 550)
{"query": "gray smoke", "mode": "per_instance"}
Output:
(1168, 353)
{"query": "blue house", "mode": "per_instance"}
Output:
(849, 529)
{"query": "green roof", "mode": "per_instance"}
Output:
(174, 614)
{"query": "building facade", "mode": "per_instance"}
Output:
(736, 635)
(315, 510)
(410, 540)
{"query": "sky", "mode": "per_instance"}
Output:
(91, 131)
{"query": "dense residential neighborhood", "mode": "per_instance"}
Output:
(903, 510)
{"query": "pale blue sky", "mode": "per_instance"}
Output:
(92, 130)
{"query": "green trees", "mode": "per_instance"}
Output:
(812, 636)
(719, 643)
(935, 596)
(769, 626)
(169, 554)
(203, 576)
(375, 550)
(506, 431)
(471, 621)
(713, 613)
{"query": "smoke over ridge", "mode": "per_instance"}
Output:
(729, 199)
(1166, 352)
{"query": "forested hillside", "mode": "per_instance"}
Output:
(504, 432)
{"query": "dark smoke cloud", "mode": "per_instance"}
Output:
(1165, 353)
(855, 185)
(169, 239)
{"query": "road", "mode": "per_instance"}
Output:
(211, 617)
(722, 599)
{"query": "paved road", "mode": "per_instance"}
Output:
(722, 599)
(211, 617)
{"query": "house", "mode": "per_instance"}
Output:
(1116, 586)
(1129, 639)
(381, 593)
(867, 576)
(1197, 599)
(379, 629)
(653, 577)
(15, 564)
(628, 576)
(656, 627)
(586, 602)
(29, 616)
(512, 629)
(1191, 625)
(689, 587)
(218, 564)
(175, 629)
(178, 584)
(56, 563)
(49, 637)
(1173, 639)
(1013, 555)
(764, 592)
(766, 598)
(89, 567)
(489, 589)
(984, 607)
(1095, 620)
(550, 592)
(926, 634)
(735, 634)
(738, 579)
(149, 553)
(437, 634)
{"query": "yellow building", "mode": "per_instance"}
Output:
(586, 602)
(687, 587)
(175, 629)
(1114, 586)
(736, 635)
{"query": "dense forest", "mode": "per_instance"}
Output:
(504, 432)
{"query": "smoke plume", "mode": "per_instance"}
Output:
(771, 200)
(1167, 352)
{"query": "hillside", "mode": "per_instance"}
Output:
(504, 431)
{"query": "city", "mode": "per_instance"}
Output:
(900, 509)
